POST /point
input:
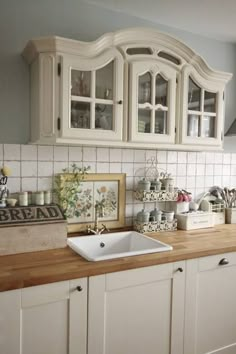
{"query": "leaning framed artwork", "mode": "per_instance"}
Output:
(79, 197)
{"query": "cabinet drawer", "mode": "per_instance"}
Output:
(220, 260)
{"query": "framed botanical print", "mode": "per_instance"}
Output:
(78, 198)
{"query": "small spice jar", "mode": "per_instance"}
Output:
(23, 198)
(47, 197)
(39, 198)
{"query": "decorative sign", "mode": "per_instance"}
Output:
(3, 181)
(29, 214)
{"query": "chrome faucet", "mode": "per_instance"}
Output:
(99, 212)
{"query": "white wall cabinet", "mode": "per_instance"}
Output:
(210, 308)
(132, 88)
(137, 311)
(45, 319)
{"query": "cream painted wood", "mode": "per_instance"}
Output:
(90, 56)
(210, 84)
(10, 303)
(137, 311)
(210, 311)
(53, 318)
(154, 67)
(93, 64)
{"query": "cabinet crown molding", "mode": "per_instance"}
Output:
(123, 39)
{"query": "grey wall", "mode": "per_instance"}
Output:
(26, 19)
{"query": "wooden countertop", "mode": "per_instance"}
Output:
(35, 268)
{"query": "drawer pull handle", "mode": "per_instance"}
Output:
(224, 261)
(180, 269)
(79, 288)
(120, 102)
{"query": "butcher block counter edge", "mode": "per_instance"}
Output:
(37, 268)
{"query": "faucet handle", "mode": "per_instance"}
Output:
(105, 228)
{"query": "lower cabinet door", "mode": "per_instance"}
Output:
(53, 318)
(210, 313)
(10, 302)
(137, 311)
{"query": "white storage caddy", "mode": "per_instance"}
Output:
(195, 220)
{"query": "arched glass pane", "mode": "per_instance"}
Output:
(144, 88)
(194, 96)
(104, 82)
(80, 83)
(161, 91)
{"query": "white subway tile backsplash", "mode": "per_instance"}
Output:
(75, 153)
(11, 152)
(115, 155)
(115, 167)
(102, 167)
(89, 154)
(210, 158)
(191, 169)
(14, 184)
(209, 170)
(45, 153)
(172, 157)
(192, 157)
(139, 156)
(182, 157)
(61, 153)
(45, 168)
(226, 170)
(201, 157)
(33, 167)
(161, 157)
(127, 155)
(200, 169)
(29, 152)
(226, 159)
(103, 154)
(181, 169)
(29, 169)
(45, 183)
(59, 166)
(29, 184)
(128, 168)
(14, 167)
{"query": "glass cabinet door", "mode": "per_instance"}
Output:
(202, 104)
(95, 97)
(153, 105)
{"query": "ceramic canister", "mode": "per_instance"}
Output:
(156, 185)
(144, 185)
(157, 214)
(143, 216)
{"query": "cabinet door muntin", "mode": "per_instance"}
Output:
(201, 110)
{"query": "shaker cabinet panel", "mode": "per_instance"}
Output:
(210, 312)
(133, 317)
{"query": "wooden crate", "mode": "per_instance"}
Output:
(34, 228)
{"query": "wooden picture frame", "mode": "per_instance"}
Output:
(107, 189)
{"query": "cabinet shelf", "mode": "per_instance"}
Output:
(155, 196)
(155, 226)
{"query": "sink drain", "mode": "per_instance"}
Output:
(102, 244)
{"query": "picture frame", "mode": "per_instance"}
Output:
(108, 189)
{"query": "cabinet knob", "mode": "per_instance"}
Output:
(223, 261)
(180, 269)
(120, 102)
(79, 288)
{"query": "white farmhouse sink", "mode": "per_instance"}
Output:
(115, 245)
